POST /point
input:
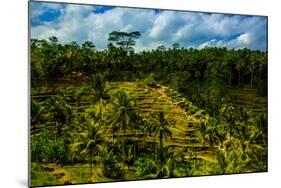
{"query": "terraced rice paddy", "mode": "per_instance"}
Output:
(180, 113)
(248, 97)
(182, 116)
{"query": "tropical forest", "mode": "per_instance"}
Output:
(120, 114)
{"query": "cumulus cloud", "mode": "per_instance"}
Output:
(39, 9)
(190, 29)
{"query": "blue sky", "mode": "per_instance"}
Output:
(70, 22)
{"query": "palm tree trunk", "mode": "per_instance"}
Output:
(252, 74)
(239, 77)
(161, 147)
(155, 147)
(56, 135)
(123, 141)
(123, 144)
(135, 147)
(91, 161)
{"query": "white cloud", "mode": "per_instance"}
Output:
(244, 38)
(80, 23)
(211, 43)
(37, 9)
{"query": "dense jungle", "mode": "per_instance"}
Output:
(119, 114)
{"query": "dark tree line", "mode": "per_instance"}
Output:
(173, 66)
(203, 76)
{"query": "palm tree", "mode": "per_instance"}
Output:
(135, 125)
(88, 142)
(239, 66)
(149, 127)
(161, 130)
(121, 114)
(100, 91)
(227, 112)
(113, 126)
(167, 169)
(252, 65)
(37, 110)
(59, 111)
(202, 132)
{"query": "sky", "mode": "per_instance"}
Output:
(80, 23)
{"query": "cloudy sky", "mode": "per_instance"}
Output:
(70, 22)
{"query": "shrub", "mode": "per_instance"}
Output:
(150, 80)
(110, 167)
(145, 167)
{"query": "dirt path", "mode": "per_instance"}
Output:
(61, 174)
(168, 99)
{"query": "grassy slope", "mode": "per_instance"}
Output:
(41, 177)
(248, 97)
(181, 114)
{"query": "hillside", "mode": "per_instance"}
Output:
(248, 97)
(182, 116)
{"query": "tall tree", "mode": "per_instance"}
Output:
(99, 86)
(124, 40)
(59, 111)
(161, 130)
(88, 142)
(121, 114)
(227, 113)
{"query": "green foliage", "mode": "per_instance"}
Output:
(39, 177)
(46, 148)
(124, 40)
(150, 81)
(158, 127)
(78, 117)
(110, 165)
(145, 167)
(122, 115)
(89, 142)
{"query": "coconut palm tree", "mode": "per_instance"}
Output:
(37, 110)
(239, 66)
(135, 125)
(161, 130)
(89, 142)
(227, 113)
(59, 111)
(121, 114)
(202, 132)
(113, 126)
(99, 86)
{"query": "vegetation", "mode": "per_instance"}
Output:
(117, 114)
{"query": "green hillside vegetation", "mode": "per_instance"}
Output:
(117, 114)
